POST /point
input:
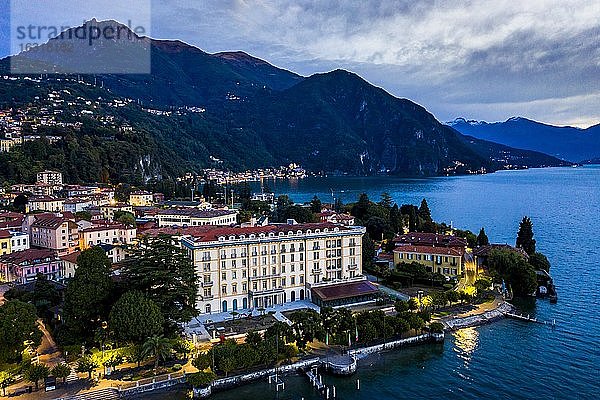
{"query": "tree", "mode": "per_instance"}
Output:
(125, 218)
(482, 285)
(436, 327)
(386, 200)
(539, 262)
(166, 275)
(20, 203)
(315, 205)
(202, 361)
(361, 208)
(482, 239)
(514, 269)
(6, 379)
(525, 238)
(87, 365)
(452, 296)
(307, 326)
(368, 252)
(18, 323)
(201, 379)
(424, 212)
(61, 371)
(85, 215)
(158, 347)
(44, 295)
(88, 296)
(134, 317)
(35, 373)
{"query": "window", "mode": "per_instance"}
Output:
(301, 279)
(293, 280)
(243, 273)
(207, 309)
(283, 269)
(283, 282)
(224, 289)
(233, 274)
(234, 288)
(244, 287)
(224, 276)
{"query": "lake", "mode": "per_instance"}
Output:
(507, 359)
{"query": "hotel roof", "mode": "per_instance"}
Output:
(208, 233)
(195, 213)
(344, 290)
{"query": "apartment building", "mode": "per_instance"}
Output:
(23, 266)
(50, 177)
(46, 203)
(108, 210)
(195, 217)
(258, 267)
(113, 233)
(54, 232)
(141, 198)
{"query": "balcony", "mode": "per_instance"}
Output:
(207, 298)
(207, 284)
(353, 266)
(205, 258)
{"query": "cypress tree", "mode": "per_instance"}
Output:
(424, 211)
(525, 238)
(482, 239)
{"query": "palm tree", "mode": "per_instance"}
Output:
(158, 347)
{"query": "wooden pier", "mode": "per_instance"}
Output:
(527, 318)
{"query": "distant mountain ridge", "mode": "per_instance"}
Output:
(569, 143)
(260, 115)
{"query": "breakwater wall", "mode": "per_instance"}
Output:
(424, 338)
(233, 381)
(496, 314)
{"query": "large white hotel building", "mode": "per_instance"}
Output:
(258, 267)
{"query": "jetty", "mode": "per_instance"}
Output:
(527, 318)
(315, 379)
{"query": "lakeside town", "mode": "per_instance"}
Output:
(120, 291)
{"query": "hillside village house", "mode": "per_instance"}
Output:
(108, 210)
(108, 234)
(254, 267)
(23, 266)
(336, 218)
(68, 265)
(50, 177)
(195, 217)
(51, 204)
(54, 232)
(19, 241)
(5, 245)
(76, 205)
(141, 198)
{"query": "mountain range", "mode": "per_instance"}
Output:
(258, 115)
(565, 142)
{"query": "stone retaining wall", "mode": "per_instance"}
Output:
(237, 380)
(427, 337)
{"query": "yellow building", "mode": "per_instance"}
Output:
(5, 247)
(447, 261)
(141, 198)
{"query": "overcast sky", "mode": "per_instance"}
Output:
(479, 59)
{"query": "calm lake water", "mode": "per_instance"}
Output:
(504, 360)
